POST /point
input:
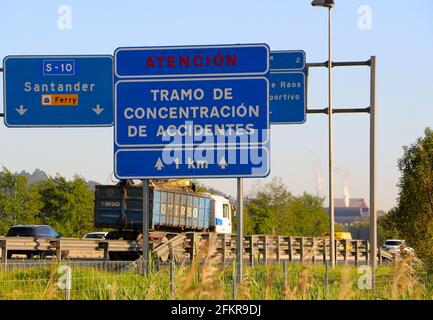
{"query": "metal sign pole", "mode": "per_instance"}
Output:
(331, 147)
(240, 232)
(372, 110)
(373, 215)
(146, 212)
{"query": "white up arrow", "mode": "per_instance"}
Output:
(159, 165)
(223, 164)
(98, 110)
(21, 110)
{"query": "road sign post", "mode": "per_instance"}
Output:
(240, 231)
(146, 216)
(58, 91)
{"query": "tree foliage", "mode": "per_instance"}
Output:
(386, 227)
(273, 209)
(413, 216)
(65, 205)
(19, 202)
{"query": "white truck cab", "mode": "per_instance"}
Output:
(222, 214)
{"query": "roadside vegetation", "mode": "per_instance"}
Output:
(269, 209)
(412, 218)
(66, 205)
(413, 215)
(209, 280)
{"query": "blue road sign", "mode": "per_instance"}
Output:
(159, 163)
(288, 93)
(288, 97)
(58, 91)
(190, 120)
(153, 113)
(288, 60)
(229, 60)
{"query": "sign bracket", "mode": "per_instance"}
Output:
(372, 176)
(340, 110)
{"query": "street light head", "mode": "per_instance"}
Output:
(323, 3)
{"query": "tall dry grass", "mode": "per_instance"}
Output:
(209, 286)
(51, 292)
(405, 281)
(345, 290)
(305, 282)
(205, 278)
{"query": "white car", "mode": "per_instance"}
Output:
(95, 235)
(396, 245)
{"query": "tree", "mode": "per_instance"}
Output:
(310, 219)
(260, 220)
(67, 205)
(413, 216)
(19, 202)
(267, 207)
(272, 209)
(386, 226)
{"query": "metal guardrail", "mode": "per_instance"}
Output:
(64, 246)
(265, 248)
(185, 246)
(170, 249)
(55, 247)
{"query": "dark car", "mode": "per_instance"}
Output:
(32, 231)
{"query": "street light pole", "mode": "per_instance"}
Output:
(331, 144)
(330, 4)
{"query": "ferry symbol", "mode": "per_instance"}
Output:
(46, 100)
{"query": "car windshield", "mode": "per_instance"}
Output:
(20, 232)
(393, 243)
(46, 232)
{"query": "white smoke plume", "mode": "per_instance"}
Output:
(345, 173)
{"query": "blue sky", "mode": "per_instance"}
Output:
(401, 38)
